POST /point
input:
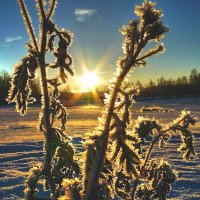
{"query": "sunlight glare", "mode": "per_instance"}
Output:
(89, 81)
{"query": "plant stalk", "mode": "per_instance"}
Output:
(27, 21)
(150, 149)
(136, 182)
(45, 103)
(105, 132)
(156, 139)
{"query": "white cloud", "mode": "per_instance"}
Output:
(12, 39)
(5, 45)
(84, 14)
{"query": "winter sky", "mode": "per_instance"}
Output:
(97, 41)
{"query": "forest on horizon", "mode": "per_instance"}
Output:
(185, 86)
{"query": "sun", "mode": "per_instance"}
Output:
(89, 81)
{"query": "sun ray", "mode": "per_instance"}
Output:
(89, 81)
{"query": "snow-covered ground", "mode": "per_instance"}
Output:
(21, 145)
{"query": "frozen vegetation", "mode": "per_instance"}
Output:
(119, 158)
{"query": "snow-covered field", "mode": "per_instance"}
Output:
(21, 145)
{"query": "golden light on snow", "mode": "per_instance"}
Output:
(89, 81)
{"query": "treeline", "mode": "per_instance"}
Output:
(180, 87)
(164, 88)
(4, 86)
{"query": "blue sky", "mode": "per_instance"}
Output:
(97, 41)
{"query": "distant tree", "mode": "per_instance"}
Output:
(194, 80)
(184, 80)
(194, 77)
(161, 81)
(151, 84)
(5, 79)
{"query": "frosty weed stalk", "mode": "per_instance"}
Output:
(58, 152)
(117, 160)
(117, 143)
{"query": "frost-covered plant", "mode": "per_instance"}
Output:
(58, 150)
(117, 157)
(117, 160)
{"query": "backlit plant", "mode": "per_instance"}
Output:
(58, 150)
(116, 162)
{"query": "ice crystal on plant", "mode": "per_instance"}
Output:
(59, 160)
(117, 157)
(113, 140)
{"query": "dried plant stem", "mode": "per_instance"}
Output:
(110, 111)
(136, 182)
(148, 154)
(28, 24)
(36, 59)
(51, 8)
(47, 162)
(156, 139)
(45, 103)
